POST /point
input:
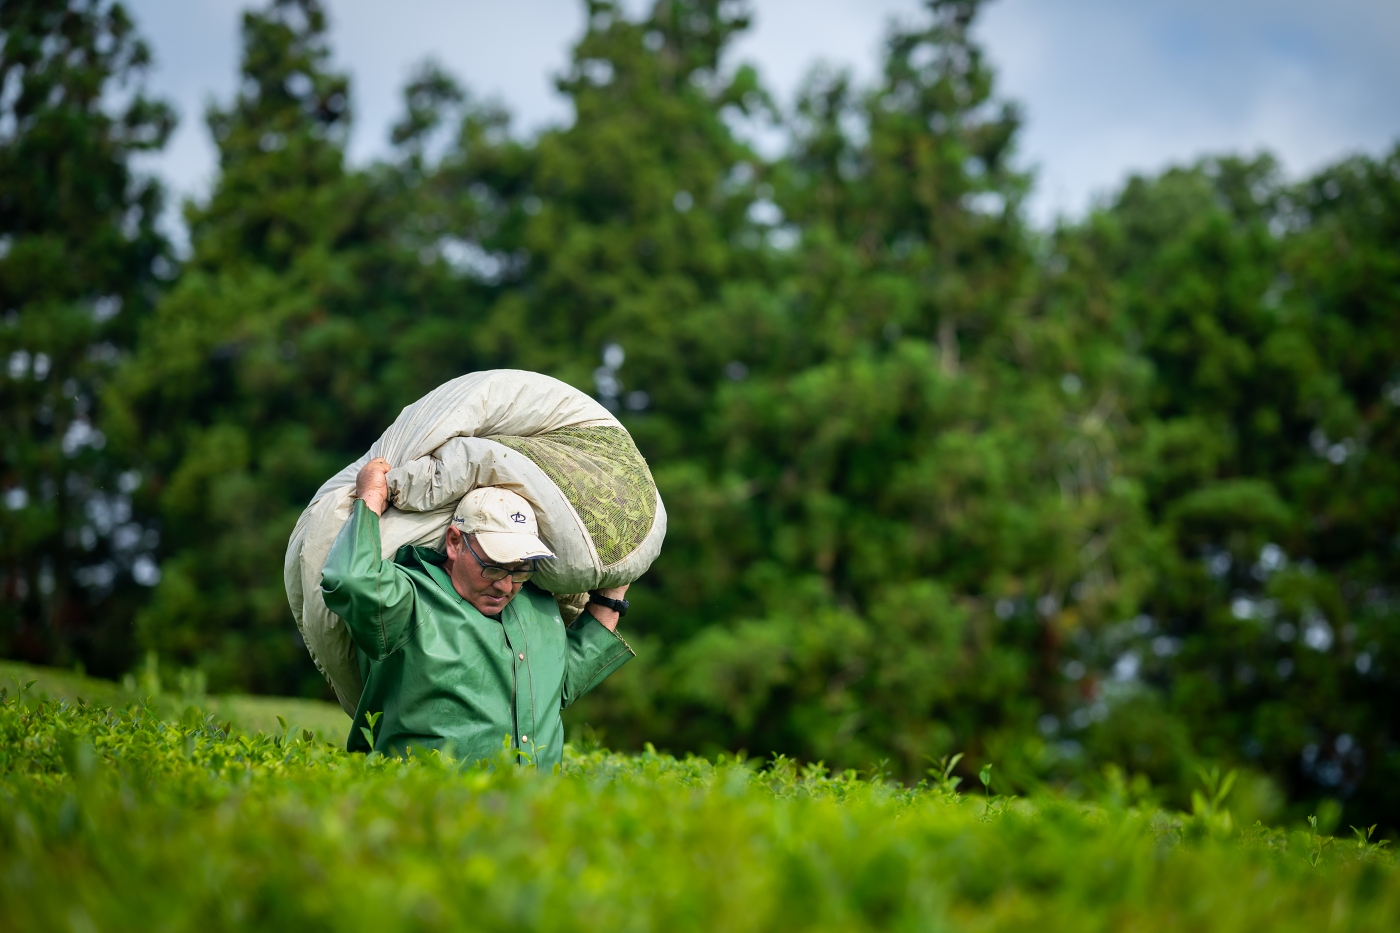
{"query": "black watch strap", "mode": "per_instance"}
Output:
(616, 605)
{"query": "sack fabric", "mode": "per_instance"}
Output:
(594, 496)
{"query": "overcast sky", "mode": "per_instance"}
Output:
(1109, 87)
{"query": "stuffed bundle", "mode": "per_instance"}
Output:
(594, 497)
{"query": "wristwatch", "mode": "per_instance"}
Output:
(616, 605)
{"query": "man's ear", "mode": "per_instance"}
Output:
(454, 542)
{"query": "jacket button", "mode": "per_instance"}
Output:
(522, 655)
(524, 739)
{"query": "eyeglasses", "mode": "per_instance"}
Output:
(495, 573)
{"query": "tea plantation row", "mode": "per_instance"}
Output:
(119, 819)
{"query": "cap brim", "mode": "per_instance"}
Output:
(507, 548)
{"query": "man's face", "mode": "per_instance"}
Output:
(488, 597)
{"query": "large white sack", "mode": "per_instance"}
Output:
(440, 449)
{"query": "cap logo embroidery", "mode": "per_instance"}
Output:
(518, 518)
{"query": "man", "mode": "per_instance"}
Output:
(456, 649)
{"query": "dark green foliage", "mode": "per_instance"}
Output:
(80, 266)
(255, 378)
(895, 469)
(1267, 312)
(1123, 491)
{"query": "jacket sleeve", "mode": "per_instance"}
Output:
(593, 654)
(372, 595)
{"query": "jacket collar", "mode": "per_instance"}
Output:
(431, 560)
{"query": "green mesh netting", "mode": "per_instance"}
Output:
(602, 474)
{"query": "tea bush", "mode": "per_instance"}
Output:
(120, 819)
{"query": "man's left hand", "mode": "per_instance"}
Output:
(608, 617)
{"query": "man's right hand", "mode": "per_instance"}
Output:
(371, 486)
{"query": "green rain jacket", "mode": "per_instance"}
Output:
(444, 675)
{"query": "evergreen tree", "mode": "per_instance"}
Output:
(81, 262)
(1266, 312)
(626, 253)
(255, 378)
(621, 227)
(902, 497)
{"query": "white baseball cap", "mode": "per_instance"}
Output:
(503, 522)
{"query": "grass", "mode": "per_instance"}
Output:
(126, 818)
(245, 714)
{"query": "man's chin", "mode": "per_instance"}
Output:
(490, 605)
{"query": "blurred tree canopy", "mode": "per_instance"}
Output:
(1121, 491)
(81, 264)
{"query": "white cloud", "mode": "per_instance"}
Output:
(1114, 88)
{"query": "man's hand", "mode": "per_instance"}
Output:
(608, 617)
(371, 486)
